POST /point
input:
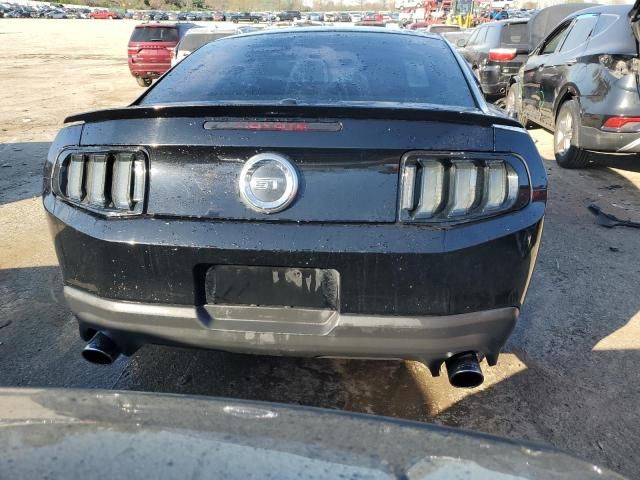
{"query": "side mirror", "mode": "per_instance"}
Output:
(461, 42)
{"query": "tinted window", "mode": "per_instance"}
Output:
(580, 32)
(473, 38)
(552, 42)
(318, 68)
(514, 34)
(482, 34)
(154, 34)
(194, 41)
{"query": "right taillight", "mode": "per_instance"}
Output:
(502, 54)
(109, 182)
(453, 188)
(622, 124)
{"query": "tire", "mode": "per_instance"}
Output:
(511, 102)
(566, 137)
(144, 82)
(234, 20)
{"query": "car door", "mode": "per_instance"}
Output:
(532, 72)
(558, 65)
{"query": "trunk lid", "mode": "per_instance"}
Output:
(346, 174)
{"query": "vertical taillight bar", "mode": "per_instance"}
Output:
(464, 175)
(408, 187)
(139, 180)
(75, 177)
(121, 184)
(96, 177)
(431, 188)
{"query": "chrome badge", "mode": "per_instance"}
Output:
(268, 182)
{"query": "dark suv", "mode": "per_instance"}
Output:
(582, 84)
(497, 50)
(289, 15)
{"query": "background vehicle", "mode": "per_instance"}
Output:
(104, 15)
(197, 37)
(289, 15)
(135, 436)
(457, 38)
(151, 47)
(245, 17)
(582, 84)
(343, 17)
(497, 50)
(440, 28)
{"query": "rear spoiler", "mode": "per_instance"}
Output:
(474, 117)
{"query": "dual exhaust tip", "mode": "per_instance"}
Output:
(101, 350)
(463, 369)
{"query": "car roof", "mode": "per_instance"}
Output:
(208, 30)
(342, 29)
(156, 25)
(615, 9)
(509, 20)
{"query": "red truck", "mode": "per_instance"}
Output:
(104, 15)
(151, 47)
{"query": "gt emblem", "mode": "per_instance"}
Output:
(268, 182)
(264, 183)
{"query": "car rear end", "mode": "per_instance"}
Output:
(611, 119)
(313, 201)
(150, 49)
(508, 53)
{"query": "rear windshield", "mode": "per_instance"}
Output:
(515, 34)
(154, 34)
(326, 67)
(194, 41)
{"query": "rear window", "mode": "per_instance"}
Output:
(329, 67)
(154, 34)
(515, 34)
(194, 41)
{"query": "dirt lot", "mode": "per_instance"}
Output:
(569, 376)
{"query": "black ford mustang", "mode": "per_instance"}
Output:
(329, 193)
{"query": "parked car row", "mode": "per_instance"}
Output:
(10, 10)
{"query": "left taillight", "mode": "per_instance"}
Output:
(109, 182)
(502, 54)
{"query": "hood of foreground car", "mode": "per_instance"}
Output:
(90, 433)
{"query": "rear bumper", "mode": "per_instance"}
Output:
(429, 339)
(592, 138)
(149, 70)
(493, 81)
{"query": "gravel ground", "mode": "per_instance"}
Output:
(569, 373)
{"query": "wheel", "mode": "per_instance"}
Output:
(255, 21)
(510, 102)
(234, 20)
(566, 137)
(143, 82)
(110, 17)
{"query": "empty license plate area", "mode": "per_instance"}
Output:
(309, 288)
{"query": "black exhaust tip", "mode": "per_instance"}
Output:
(101, 350)
(464, 370)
